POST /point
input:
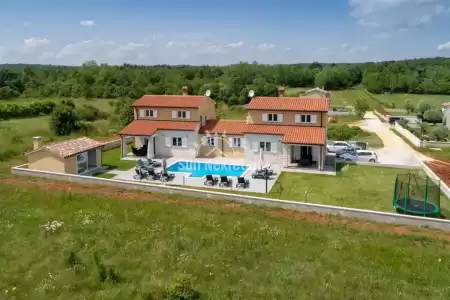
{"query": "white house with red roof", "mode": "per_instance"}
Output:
(291, 131)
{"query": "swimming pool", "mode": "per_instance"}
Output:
(200, 169)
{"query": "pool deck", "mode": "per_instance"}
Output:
(256, 185)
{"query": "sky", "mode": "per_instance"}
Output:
(212, 32)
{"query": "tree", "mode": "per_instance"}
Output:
(124, 111)
(433, 116)
(63, 119)
(361, 106)
(409, 106)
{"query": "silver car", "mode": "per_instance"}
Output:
(360, 155)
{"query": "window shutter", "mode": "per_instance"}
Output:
(174, 114)
(297, 118)
(188, 114)
(184, 142)
(168, 141)
(265, 117)
(142, 113)
(216, 141)
(255, 146)
(203, 141)
(273, 147)
(313, 119)
(244, 143)
(280, 117)
(230, 142)
(155, 113)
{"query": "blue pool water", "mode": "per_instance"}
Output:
(200, 169)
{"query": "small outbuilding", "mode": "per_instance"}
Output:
(76, 156)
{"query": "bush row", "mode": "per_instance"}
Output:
(26, 110)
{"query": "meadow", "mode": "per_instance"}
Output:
(227, 251)
(399, 99)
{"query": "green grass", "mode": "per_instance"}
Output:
(371, 138)
(399, 99)
(354, 186)
(243, 253)
(294, 92)
(111, 159)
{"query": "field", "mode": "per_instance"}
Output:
(399, 99)
(229, 251)
(101, 104)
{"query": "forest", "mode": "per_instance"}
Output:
(229, 84)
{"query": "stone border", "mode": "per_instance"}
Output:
(374, 216)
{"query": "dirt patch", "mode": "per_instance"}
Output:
(279, 213)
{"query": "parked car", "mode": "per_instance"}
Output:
(339, 145)
(351, 150)
(360, 155)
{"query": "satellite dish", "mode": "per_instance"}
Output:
(208, 93)
(251, 93)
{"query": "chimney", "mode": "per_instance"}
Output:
(281, 92)
(37, 142)
(185, 90)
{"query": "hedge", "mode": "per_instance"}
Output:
(25, 110)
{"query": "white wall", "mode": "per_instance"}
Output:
(407, 135)
(252, 147)
(188, 151)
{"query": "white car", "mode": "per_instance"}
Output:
(360, 155)
(339, 145)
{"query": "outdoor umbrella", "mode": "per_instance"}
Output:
(164, 166)
(261, 158)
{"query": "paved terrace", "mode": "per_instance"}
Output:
(256, 185)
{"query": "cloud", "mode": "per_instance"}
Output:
(235, 45)
(358, 49)
(323, 49)
(344, 45)
(87, 23)
(395, 14)
(365, 23)
(444, 46)
(265, 46)
(34, 42)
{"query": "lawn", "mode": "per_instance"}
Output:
(111, 159)
(229, 252)
(399, 99)
(231, 112)
(354, 186)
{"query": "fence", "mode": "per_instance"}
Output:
(416, 141)
(375, 216)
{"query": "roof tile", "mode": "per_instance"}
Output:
(224, 126)
(292, 134)
(148, 127)
(187, 101)
(72, 147)
(289, 104)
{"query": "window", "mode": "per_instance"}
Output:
(265, 146)
(177, 142)
(149, 113)
(210, 141)
(305, 119)
(272, 118)
(237, 142)
(82, 162)
(181, 114)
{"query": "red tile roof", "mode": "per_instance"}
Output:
(170, 101)
(72, 147)
(224, 126)
(292, 134)
(148, 127)
(289, 104)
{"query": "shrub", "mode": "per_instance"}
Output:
(180, 289)
(433, 116)
(439, 133)
(90, 113)
(31, 109)
(63, 121)
(403, 123)
(343, 132)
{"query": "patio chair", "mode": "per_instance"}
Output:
(225, 181)
(166, 176)
(139, 152)
(141, 174)
(261, 174)
(242, 183)
(154, 162)
(210, 180)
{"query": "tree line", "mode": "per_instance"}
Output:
(229, 84)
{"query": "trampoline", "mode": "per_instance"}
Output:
(417, 195)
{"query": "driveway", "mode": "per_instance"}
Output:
(395, 150)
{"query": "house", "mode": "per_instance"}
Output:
(316, 92)
(287, 129)
(168, 125)
(445, 106)
(76, 156)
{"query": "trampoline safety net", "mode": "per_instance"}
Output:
(416, 194)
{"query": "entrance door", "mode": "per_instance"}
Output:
(305, 152)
